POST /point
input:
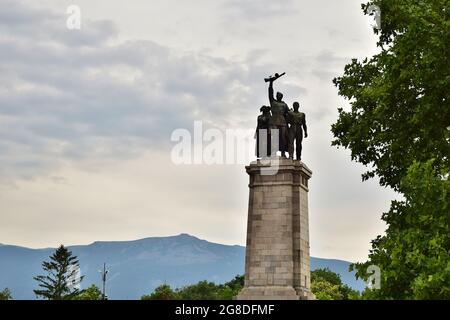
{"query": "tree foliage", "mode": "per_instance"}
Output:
(5, 294)
(60, 281)
(399, 124)
(202, 290)
(324, 290)
(163, 292)
(327, 285)
(400, 108)
(91, 293)
(414, 253)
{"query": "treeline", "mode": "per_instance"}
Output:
(325, 284)
(203, 290)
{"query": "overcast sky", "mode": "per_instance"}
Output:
(86, 117)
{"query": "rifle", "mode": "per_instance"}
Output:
(275, 77)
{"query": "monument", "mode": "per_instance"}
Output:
(277, 260)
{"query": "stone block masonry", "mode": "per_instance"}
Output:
(277, 261)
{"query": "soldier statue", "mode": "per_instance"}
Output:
(297, 124)
(278, 121)
(263, 133)
(290, 125)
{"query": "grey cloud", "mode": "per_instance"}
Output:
(64, 91)
(328, 58)
(22, 20)
(325, 75)
(260, 9)
(17, 13)
(328, 65)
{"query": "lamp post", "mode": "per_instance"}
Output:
(103, 273)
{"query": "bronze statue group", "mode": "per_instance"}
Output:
(278, 121)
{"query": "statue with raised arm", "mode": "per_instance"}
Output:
(279, 111)
(297, 124)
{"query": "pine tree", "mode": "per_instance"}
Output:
(61, 280)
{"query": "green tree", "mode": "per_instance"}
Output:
(203, 290)
(91, 293)
(237, 283)
(399, 124)
(163, 292)
(230, 289)
(327, 275)
(61, 280)
(5, 294)
(400, 97)
(327, 285)
(414, 253)
(324, 290)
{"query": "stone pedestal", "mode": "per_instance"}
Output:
(277, 261)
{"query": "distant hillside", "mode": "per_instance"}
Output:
(137, 267)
